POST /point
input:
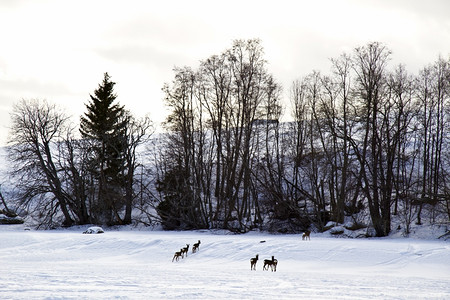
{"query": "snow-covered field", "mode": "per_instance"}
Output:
(129, 264)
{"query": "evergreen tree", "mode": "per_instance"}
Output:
(104, 125)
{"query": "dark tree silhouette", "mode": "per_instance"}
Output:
(104, 125)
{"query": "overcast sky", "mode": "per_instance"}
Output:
(58, 50)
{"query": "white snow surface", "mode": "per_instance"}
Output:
(131, 264)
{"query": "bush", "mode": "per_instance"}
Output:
(354, 226)
(9, 217)
(169, 214)
(337, 230)
(94, 230)
(9, 221)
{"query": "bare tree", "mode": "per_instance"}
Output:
(215, 88)
(312, 157)
(298, 152)
(37, 127)
(180, 182)
(433, 94)
(73, 160)
(137, 133)
(253, 95)
(341, 127)
(370, 67)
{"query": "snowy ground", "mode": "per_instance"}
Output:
(66, 264)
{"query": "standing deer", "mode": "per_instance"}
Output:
(195, 247)
(185, 250)
(306, 236)
(272, 263)
(177, 255)
(253, 262)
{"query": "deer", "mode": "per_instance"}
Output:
(272, 263)
(253, 262)
(185, 250)
(306, 236)
(195, 247)
(177, 255)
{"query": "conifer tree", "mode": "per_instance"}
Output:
(104, 125)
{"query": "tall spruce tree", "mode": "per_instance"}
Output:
(104, 125)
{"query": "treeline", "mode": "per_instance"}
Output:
(363, 138)
(62, 179)
(365, 143)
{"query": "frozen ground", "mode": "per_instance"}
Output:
(66, 264)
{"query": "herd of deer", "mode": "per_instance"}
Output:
(184, 251)
(272, 263)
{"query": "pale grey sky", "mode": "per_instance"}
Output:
(59, 49)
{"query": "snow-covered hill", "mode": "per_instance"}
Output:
(128, 264)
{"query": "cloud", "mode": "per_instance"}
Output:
(59, 50)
